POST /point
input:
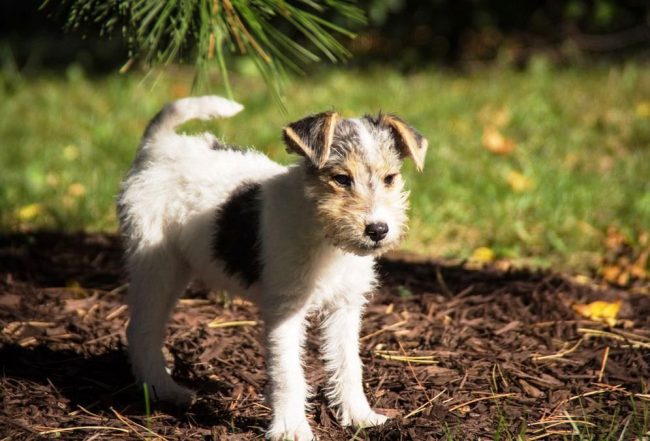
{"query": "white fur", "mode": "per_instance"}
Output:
(167, 208)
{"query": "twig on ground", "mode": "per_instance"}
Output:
(116, 312)
(72, 429)
(425, 405)
(384, 329)
(417, 380)
(626, 337)
(603, 365)
(418, 359)
(559, 354)
(622, 435)
(217, 323)
(443, 285)
(476, 400)
(129, 423)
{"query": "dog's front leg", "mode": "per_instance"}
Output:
(341, 352)
(288, 389)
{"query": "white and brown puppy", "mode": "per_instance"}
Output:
(295, 240)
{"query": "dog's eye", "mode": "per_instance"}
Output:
(343, 180)
(388, 180)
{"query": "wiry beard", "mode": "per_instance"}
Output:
(339, 236)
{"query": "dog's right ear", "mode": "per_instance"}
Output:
(311, 137)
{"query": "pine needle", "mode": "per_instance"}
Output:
(72, 429)
(209, 33)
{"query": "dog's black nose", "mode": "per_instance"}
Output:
(377, 231)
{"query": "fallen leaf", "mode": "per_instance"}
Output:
(638, 269)
(518, 182)
(643, 109)
(581, 279)
(611, 273)
(71, 152)
(68, 201)
(180, 90)
(76, 190)
(483, 255)
(571, 160)
(498, 117)
(599, 311)
(503, 265)
(52, 180)
(502, 117)
(29, 212)
(494, 141)
(614, 239)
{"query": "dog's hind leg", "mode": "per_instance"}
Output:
(157, 280)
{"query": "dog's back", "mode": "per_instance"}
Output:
(176, 177)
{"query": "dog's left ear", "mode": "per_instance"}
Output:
(408, 141)
(312, 136)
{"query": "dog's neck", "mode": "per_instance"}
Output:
(288, 210)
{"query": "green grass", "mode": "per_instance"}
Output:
(582, 139)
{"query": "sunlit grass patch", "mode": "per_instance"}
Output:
(533, 165)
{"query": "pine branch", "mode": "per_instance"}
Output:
(205, 32)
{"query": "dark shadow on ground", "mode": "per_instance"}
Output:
(102, 382)
(83, 380)
(485, 331)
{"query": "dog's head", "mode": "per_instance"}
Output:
(353, 176)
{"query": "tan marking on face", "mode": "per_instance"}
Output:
(345, 211)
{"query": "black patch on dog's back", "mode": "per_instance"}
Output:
(237, 242)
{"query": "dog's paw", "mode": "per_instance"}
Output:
(172, 393)
(290, 432)
(370, 420)
(362, 419)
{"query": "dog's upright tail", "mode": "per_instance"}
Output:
(177, 112)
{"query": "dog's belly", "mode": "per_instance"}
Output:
(217, 279)
(220, 232)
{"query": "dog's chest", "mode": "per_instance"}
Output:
(344, 278)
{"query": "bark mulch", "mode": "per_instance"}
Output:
(450, 352)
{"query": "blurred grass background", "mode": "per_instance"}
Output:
(537, 165)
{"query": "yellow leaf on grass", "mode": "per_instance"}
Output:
(483, 255)
(180, 90)
(76, 190)
(518, 182)
(494, 141)
(29, 212)
(599, 311)
(643, 109)
(71, 152)
(52, 179)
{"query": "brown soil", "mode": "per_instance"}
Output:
(501, 353)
